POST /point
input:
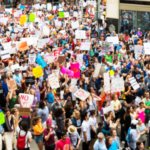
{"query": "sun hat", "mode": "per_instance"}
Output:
(72, 129)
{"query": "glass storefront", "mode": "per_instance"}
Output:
(134, 19)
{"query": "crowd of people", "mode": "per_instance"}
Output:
(75, 109)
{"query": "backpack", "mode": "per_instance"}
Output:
(21, 141)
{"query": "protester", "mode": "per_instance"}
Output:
(74, 77)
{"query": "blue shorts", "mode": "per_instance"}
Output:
(38, 138)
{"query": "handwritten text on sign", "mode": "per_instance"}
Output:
(26, 100)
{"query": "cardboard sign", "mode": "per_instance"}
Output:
(113, 39)
(26, 100)
(97, 70)
(134, 83)
(24, 111)
(32, 58)
(37, 72)
(53, 81)
(86, 46)
(82, 94)
(147, 48)
(106, 82)
(117, 84)
(61, 59)
(80, 34)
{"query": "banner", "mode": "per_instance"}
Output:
(82, 94)
(32, 58)
(26, 100)
(112, 9)
(86, 46)
(147, 48)
(75, 67)
(37, 72)
(53, 81)
(80, 34)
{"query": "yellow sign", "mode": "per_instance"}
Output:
(37, 72)
(23, 19)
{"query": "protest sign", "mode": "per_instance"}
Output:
(4, 20)
(15, 67)
(37, 72)
(53, 81)
(138, 50)
(117, 84)
(147, 48)
(86, 46)
(107, 47)
(40, 61)
(106, 82)
(66, 14)
(30, 40)
(4, 54)
(32, 17)
(42, 42)
(134, 83)
(61, 59)
(23, 19)
(46, 31)
(24, 111)
(80, 34)
(2, 117)
(23, 46)
(97, 70)
(75, 24)
(75, 67)
(61, 14)
(49, 6)
(50, 58)
(30, 80)
(32, 58)
(113, 39)
(82, 94)
(26, 100)
(108, 109)
(67, 71)
(75, 14)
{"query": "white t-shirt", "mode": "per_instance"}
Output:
(93, 122)
(86, 127)
(28, 136)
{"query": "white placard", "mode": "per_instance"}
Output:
(26, 100)
(97, 70)
(46, 31)
(147, 48)
(15, 67)
(32, 58)
(106, 82)
(75, 24)
(42, 42)
(4, 54)
(75, 14)
(4, 20)
(82, 94)
(66, 14)
(30, 40)
(80, 34)
(49, 6)
(117, 84)
(134, 83)
(53, 81)
(108, 109)
(112, 9)
(138, 50)
(86, 46)
(113, 39)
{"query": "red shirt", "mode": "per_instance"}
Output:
(63, 144)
